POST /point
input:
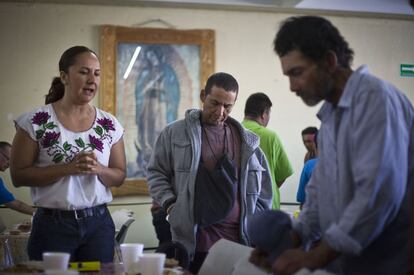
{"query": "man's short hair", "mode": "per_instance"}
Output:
(4, 144)
(310, 131)
(313, 36)
(222, 80)
(257, 104)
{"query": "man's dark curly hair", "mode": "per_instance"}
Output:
(313, 36)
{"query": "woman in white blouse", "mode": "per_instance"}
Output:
(70, 153)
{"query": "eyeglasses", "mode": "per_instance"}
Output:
(6, 157)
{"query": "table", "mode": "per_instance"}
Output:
(17, 245)
(106, 269)
(35, 268)
(18, 248)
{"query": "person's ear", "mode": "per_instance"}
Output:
(266, 113)
(331, 61)
(63, 77)
(263, 115)
(203, 95)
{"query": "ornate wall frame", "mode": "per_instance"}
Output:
(113, 36)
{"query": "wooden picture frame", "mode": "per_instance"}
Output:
(181, 77)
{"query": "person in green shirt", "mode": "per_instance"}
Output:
(256, 118)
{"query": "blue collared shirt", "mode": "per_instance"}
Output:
(5, 195)
(304, 179)
(366, 153)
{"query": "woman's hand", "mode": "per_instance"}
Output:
(86, 162)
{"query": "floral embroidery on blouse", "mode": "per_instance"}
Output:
(49, 138)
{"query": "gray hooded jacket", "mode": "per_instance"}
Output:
(172, 172)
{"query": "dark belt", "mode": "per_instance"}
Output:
(96, 211)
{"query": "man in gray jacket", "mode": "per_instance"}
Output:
(188, 155)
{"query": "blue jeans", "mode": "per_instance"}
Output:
(89, 238)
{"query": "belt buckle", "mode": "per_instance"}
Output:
(76, 215)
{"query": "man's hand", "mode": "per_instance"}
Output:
(293, 260)
(260, 259)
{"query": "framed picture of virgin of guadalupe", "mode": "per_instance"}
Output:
(149, 77)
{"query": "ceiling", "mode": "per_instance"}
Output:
(402, 7)
(396, 7)
(368, 7)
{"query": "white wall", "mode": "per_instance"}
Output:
(33, 36)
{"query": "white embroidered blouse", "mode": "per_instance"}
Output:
(59, 145)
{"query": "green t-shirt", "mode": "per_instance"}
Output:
(279, 165)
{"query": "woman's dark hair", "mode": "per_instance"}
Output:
(313, 36)
(68, 58)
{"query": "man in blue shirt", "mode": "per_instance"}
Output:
(304, 179)
(309, 165)
(6, 197)
(358, 199)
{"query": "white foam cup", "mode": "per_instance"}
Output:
(55, 260)
(130, 254)
(152, 263)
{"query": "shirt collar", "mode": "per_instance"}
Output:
(345, 101)
(251, 123)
